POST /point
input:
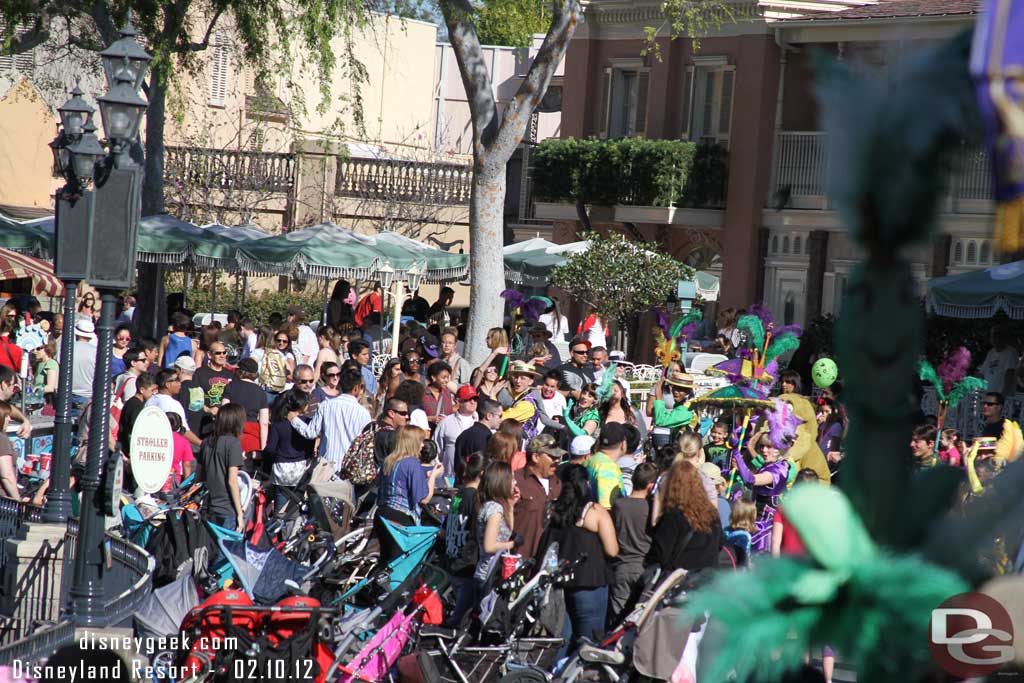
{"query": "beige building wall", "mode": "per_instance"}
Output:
(27, 125)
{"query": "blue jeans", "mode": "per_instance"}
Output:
(587, 610)
(466, 596)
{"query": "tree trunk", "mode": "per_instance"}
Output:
(486, 228)
(151, 309)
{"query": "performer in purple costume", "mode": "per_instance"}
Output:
(769, 483)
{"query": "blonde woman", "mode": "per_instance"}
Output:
(405, 487)
(327, 338)
(497, 342)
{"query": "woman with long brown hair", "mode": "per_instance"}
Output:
(688, 534)
(501, 447)
(498, 495)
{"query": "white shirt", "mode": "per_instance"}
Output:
(993, 369)
(447, 432)
(418, 418)
(555, 405)
(248, 346)
(558, 327)
(307, 345)
(338, 423)
(124, 385)
(84, 368)
(168, 404)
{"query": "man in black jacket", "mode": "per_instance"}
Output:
(474, 439)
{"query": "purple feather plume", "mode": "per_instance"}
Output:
(794, 329)
(688, 330)
(662, 320)
(767, 319)
(513, 298)
(782, 424)
(533, 309)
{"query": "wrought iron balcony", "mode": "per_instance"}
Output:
(399, 180)
(802, 168)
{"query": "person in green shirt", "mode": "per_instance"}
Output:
(605, 475)
(47, 371)
(582, 419)
(680, 416)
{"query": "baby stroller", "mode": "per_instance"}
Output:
(416, 543)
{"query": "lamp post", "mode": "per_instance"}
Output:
(96, 231)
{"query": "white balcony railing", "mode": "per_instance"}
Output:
(802, 166)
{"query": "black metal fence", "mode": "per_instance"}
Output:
(29, 630)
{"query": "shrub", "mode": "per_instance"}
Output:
(631, 171)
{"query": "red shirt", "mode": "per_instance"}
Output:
(10, 354)
(371, 303)
(791, 543)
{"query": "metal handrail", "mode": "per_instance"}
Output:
(131, 574)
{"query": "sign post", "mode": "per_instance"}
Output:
(152, 450)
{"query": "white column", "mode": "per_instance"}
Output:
(398, 293)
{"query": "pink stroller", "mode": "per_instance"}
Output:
(375, 660)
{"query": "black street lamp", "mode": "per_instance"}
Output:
(96, 232)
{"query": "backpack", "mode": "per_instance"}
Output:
(273, 371)
(359, 465)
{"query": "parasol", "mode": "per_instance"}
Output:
(734, 396)
(14, 266)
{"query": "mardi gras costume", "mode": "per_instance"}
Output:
(576, 418)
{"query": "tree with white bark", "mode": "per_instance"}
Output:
(496, 134)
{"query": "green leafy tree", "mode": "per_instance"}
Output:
(511, 22)
(618, 277)
(271, 35)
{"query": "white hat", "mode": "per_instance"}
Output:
(582, 445)
(85, 328)
(185, 363)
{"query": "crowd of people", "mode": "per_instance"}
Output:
(536, 449)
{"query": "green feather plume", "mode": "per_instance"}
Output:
(781, 345)
(604, 391)
(968, 385)
(877, 615)
(926, 373)
(754, 328)
(693, 316)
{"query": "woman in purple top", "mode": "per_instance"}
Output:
(830, 426)
(769, 483)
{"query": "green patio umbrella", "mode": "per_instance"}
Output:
(323, 252)
(24, 238)
(402, 252)
(981, 293)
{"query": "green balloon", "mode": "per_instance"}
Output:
(824, 372)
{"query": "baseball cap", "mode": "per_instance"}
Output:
(466, 393)
(185, 363)
(431, 345)
(712, 472)
(582, 445)
(545, 443)
(612, 434)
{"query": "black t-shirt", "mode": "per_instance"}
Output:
(192, 397)
(215, 457)
(995, 429)
(129, 414)
(472, 440)
(213, 383)
(461, 547)
(250, 396)
(671, 549)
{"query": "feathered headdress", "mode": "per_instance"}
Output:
(950, 381)
(782, 424)
(668, 340)
(848, 593)
(604, 390)
(753, 327)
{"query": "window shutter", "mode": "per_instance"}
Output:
(643, 82)
(725, 104)
(219, 64)
(687, 109)
(606, 102)
(25, 62)
(6, 61)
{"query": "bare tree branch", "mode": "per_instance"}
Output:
(205, 42)
(565, 16)
(475, 77)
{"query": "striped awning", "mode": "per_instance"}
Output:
(14, 266)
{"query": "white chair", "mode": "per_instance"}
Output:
(703, 361)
